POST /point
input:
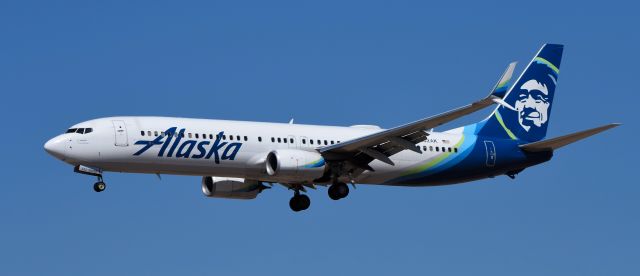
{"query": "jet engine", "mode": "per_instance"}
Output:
(227, 187)
(286, 165)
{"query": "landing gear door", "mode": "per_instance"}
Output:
(491, 153)
(122, 139)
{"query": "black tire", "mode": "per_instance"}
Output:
(99, 186)
(344, 190)
(338, 191)
(304, 202)
(294, 204)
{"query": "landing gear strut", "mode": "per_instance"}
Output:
(100, 185)
(338, 191)
(299, 202)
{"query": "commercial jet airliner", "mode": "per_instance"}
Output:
(239, 159)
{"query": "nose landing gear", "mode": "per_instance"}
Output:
(100, 185)
(97, 172)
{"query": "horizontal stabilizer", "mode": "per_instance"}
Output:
(558, 142)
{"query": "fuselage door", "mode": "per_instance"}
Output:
(491, 153)
(121, 133)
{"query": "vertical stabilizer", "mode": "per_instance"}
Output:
(531, 99)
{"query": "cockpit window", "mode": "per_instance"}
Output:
(80, 130)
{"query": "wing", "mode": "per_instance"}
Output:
(380, 145)
(385, 143)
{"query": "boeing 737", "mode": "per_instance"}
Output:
(239, 159)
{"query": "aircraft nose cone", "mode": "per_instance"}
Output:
(55, 147)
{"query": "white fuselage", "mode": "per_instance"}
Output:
(241, 152)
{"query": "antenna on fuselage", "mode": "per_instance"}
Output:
(291, 121)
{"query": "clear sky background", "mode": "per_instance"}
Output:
(320, 62)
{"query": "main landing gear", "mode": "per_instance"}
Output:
(338, 191)
(299, 202)
(100, 185)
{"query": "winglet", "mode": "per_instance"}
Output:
(558, 142)
(500, 89)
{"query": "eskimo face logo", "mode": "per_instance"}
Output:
(533, 104)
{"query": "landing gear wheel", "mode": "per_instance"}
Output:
(338, 191)
(99, 186)
(299, 203)
(304, 202)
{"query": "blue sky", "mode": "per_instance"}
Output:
(329, 62)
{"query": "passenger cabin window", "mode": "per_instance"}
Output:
(279, 140)
(197, 136)
(259, 139)
(245, 138)
(142, 133)
(304, 141)
(285, 140)
(231, 137)
(455, 149)
(155, 133)
(291, 140)
(311, 142)
(149, 132)
(273, 140)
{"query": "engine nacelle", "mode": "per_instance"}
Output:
(295, 165)
(227, 187)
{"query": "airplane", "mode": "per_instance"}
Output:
(240, 159)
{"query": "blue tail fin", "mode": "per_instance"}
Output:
(530, 100)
